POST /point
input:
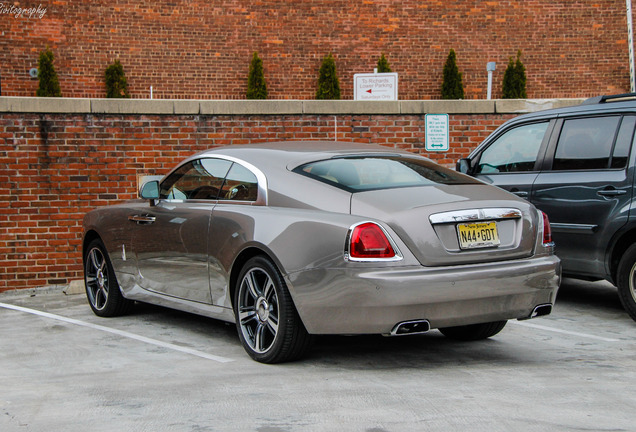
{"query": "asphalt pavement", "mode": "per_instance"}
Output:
(64, 369)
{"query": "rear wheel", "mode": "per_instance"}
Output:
(102, 288)
(626, 281)
(474, 332)
(267, 321)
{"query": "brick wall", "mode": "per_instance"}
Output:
(200, 49)
(56, 167)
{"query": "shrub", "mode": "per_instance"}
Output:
(383, 65)
(256, 85)
(514, 80)
(49, 85)
(328, 83)
(116, 83)
(452, 86)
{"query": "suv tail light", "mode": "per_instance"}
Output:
(369, 241)
(547, 231)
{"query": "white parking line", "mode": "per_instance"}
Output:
(571, 333)
(119, 333)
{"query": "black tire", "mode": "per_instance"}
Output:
(474, 332)
(102, 289)
(626, 281)
(266, 319)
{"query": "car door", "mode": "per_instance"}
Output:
(586, 188)
(513, 157)
(171, 239)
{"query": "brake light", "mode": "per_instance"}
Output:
(368, 240)
(547, 230)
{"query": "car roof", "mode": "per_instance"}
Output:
(291, 154)
(595, 105)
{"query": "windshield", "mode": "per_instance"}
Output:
(364, 173)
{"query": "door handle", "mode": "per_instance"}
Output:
(522, 194)
(142, 219)
(612, 192)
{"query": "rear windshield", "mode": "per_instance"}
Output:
(356, 174)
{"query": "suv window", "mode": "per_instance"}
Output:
(585, 144)
(515, 150)
(623, 143)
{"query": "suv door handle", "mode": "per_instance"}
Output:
(522, 194)
(612, 192)
(142, 219)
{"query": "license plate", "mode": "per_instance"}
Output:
(477, 235)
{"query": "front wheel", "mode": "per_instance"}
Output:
(474, 332)
(626, 281)
(267, 321)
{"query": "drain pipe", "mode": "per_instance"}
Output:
(630, 41)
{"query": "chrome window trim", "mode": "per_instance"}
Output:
(262, 197)
(475, 215)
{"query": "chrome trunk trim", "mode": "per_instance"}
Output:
(475, 215)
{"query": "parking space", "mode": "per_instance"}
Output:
(62, 368)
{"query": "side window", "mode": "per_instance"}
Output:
(516, 150)
(240, 185)
(585, 144)
(623, 143)
(199, 179)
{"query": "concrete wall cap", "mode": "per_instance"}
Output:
(12, 104)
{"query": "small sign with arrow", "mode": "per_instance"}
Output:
(437, 137)
(375, 86)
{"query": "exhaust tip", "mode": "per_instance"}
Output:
(541, 310)
(411, 327)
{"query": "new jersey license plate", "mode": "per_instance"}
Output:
(477, 235)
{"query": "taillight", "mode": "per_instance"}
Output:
(547, 231)
(368, 241)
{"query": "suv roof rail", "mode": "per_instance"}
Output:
(611, 98)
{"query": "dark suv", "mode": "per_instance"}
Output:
(577, 164)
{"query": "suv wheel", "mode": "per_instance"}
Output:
(626, 281)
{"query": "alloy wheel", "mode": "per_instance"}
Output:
(258, 310)
(97, 280)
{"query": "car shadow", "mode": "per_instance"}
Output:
(600, 295)
(428, 350)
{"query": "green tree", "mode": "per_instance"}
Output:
(256, 85)
(116, 83)
(514, 80)
(452, 86)
(328, 83)
(383, 65)
(49, 85)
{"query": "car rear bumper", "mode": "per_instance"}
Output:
(365, 299)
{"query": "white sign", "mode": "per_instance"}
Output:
(437, 132)
(377, 87)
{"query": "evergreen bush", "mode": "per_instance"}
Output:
(328, 83)
(383, 65)
(452, 86)
(116, 83)
(256, 85)
(514, 80)
(49, 85)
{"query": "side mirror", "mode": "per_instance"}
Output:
(463, 166)
(150, 190)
